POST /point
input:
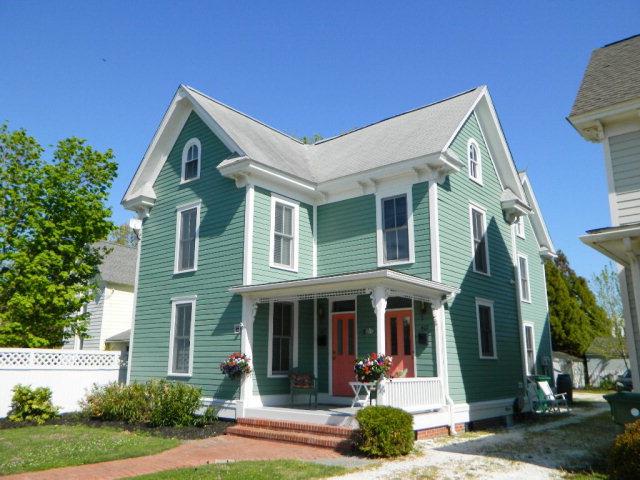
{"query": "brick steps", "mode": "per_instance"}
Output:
(326, 436)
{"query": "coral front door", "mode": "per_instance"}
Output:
(399, 340)
(343, 352)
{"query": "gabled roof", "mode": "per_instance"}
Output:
(612, 77)
(536, 218)
(119, 265)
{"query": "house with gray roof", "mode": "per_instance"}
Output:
(112, 309)
(607, 110)
(414, 236)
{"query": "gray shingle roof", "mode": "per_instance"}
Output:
(415, 133)
(119, 265)
(612, 77)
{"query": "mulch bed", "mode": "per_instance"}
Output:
(184, 433)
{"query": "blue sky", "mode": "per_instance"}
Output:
(106, 71)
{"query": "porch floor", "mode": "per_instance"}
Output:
(325, 414)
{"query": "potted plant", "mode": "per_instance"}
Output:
(236, 365)
(373, 367)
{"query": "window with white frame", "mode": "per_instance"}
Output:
(191, 155)
(282, 341)
(480, 246)
(284, 233)
(474, 160)
(530, 351)
(187, 227)
(396, 229)
(486, 329)
(181, 340)
(520, 226)
(523, 273)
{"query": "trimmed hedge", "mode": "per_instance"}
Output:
(31, 404)
(384, 432)
(624, 460)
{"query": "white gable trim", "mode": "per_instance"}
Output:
(536, 219)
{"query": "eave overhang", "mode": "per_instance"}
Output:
(620, 244)
(591, 125)
(513, 207)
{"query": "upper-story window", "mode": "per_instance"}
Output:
(187, 227)
(520, 226)
(191, 155)
(284, 233)
(395, 230)
(523, 273)
(479, 243)
(474, 160)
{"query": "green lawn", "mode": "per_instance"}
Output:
(263, 470)
(39, 448)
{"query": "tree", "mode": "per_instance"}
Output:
(123, 235)
(311, 140)
(575, 317)
(51, 214)
(607, 290)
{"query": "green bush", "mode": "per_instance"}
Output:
(624, 460)
(384, 432)
(31, 405)
(156, 402)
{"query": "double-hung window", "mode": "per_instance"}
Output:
(523, 273)
(191, 155)
(530, 349)
(284, 233)
(520, 227)
(395, 230)
(486, 329)
(187, 227)
(282, 335)
(474, 161)
(181, 341)
(480, 245)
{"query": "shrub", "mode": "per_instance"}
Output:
(156, 402)
(625, 454)
(384, 431)
(31, 404)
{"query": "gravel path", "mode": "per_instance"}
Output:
(503, 455)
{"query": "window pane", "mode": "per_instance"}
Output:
(401, 211)
(187, 244)
(182, 338)
(486, 334)
(394, 336)
(391, 245)
(275, 355)
(388, 214)
(279, 218)
(277, 249)
(287, 319)
(406, 327)
(282, 333)
(403, 244)
(343, 306)
(285, 354)
(286, 251)
(288, 220)
(481, 257)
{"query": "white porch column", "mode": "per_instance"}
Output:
(249, 309)
(379, 302)
(632, 326)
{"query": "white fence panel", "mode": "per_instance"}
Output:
(412, 394)
(68, 373)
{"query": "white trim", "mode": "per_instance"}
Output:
(434, 230)
(478, 208)
(383, 195)
(486, 144)
(315, 338)
(247, 272)
(531, 325)
(520, 227)
(514, 255)
(486, 303)
(314, 245)
(179, 209)
(537, 222)
(295, 206)
(524, 299)
(174, 302)
(478, 179)
(611, 188)
(294, 340)
(135, 303)
(185, 151)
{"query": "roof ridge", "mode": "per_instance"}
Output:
(290, 137)
(324, 140)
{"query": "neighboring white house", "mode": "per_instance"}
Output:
(112, 309)
(607, 111)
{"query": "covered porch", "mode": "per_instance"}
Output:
(321, 325)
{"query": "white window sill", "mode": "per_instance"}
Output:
(277, 375)
(520, 236)
(394, 263)
(180, 375)
(525, 301)
(178, 272)
(476, 180)
(488, 358)
(283, 267)
(182, 182)
(486, 274)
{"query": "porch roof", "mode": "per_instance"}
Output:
(397, 283)
(617, 243)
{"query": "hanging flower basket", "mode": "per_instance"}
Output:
(371, 368)
(236, 365)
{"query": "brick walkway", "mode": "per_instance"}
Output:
(189, 454)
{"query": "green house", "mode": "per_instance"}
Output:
(414, 236)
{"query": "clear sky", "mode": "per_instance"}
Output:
(106, 71)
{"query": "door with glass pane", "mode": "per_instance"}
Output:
(399, 341)
(343, 352)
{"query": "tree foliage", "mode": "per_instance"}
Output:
(575, 317)
(607, 290)
(123, 235)
(51, 212)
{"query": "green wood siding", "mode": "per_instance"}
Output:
(262, 272)
(425, 354)
(219, 267)
(473, 379)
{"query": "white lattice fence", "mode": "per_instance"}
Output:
(68, 373)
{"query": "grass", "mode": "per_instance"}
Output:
(258, 470)
(39, 448)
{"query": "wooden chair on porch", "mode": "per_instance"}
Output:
(304, 383)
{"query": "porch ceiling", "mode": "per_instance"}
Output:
(618, 243)
(398, 284)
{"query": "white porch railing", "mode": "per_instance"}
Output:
(412, 394)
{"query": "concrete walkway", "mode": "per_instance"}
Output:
(189, 454)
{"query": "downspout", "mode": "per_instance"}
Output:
(136, 225)
(516, 275)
